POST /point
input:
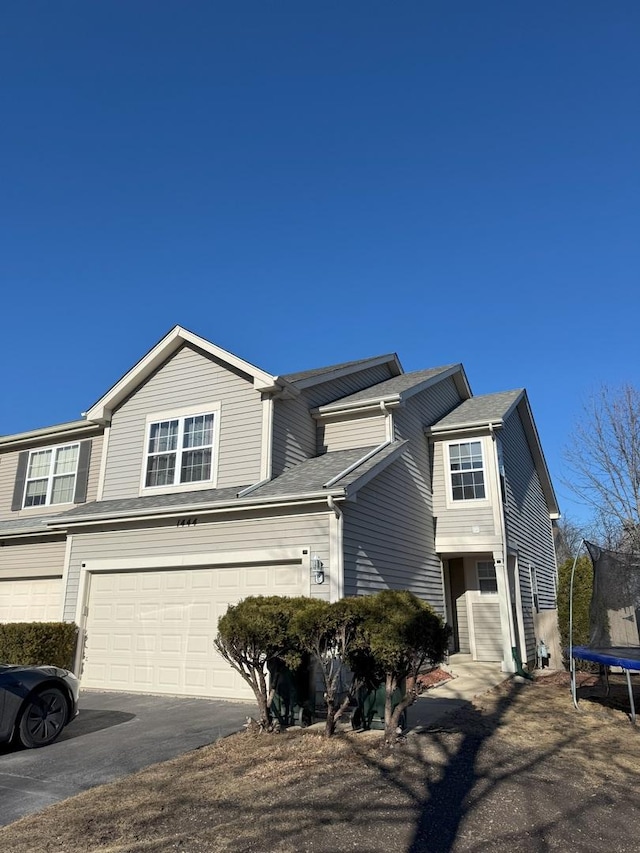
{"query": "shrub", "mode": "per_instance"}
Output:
(253, 635)
(328, 633)
(582, 591)
(36, 643)
(399, 634)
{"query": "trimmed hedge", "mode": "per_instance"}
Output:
(36, 643)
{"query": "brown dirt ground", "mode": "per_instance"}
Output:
(520, 769)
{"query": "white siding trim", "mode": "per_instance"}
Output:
(103, 463)
(336, 553)
(266, 451)
(65, 573)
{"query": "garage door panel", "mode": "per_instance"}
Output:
(31, 600)
(163, 624)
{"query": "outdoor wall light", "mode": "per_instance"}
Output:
(317, 568)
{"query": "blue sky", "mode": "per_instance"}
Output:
(307, 183)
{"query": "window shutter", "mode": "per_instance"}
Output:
(82, 477)
(21, 475)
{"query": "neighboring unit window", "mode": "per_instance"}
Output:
(534, 588)
(487, 582)
(51, 476)
(180, 450)
(467, 473)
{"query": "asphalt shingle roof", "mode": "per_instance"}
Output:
(318, 371)
(25, 525)
(477, 410)
(307, 477)
(397, 385)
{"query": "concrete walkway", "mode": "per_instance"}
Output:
(470, 679)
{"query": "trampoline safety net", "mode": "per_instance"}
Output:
(615, 601)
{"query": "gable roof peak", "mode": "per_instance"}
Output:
(178, 336)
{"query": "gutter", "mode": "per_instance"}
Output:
(193, 510)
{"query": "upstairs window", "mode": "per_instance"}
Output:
(487, 581)
(180, 451)
(51, 476)
(533, 580)
(467, 471)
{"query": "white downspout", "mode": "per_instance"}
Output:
(336, 550)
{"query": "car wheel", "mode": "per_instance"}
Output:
(43, 718)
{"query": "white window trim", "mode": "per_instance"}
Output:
(451, 503)
(50, 477)
(180, 414)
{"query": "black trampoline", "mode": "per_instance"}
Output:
(614, 637)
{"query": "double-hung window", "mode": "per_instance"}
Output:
(467, 471)
(51, 476)
(180, 450)
(487, 580)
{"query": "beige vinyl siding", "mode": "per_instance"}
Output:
(30, 558)
(329, 392)
(9, 469)
(528, 524)
(161, 538)
(294, 434)
(463, 624)
(464, 518)
(345, 433)
(486, 629)
(190, 378)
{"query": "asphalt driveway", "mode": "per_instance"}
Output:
(115, 734)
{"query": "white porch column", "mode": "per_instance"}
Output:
(506, 614)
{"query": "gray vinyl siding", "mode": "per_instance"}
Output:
(388, 531)
(388, 539)
(279, 529)
(459, 519)
(329, 392)
(189, 379)
(351, 432)
(294, 434)
(94, 468)
(42, 557)
(9, 468)
(528, 524)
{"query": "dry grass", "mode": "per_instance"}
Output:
(300, 792)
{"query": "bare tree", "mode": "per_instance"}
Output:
(604, 458)
(567, 537)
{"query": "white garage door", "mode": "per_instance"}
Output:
(153, 631)
(31, 600)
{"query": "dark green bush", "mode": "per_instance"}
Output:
(582, 590)
(35, 643)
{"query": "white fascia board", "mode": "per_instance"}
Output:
(483, 426)
(198, 509)
(101, 410)
(373, 404)
(369, 475)
(71, 429)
